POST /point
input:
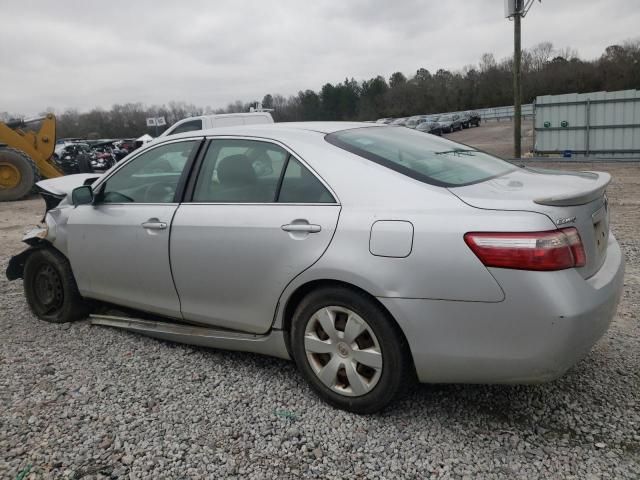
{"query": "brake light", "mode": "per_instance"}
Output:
(552, 250)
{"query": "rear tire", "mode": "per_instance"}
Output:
(51, 289)
(18, 174)
(358, 372)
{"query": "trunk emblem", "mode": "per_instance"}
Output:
(563, 221)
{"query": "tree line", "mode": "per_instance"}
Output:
(545, 71)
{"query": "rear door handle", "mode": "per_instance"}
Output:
(301, 227)
(154, 225)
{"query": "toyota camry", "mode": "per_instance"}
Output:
(371, 255)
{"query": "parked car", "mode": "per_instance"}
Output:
(430, 127)
(65, 142)
(103, 155)
(399, 122)
(127, 144)
(73, 157)
(449, 123)
(203, 122)
(369, 254)
(414, 121)
(465, 119)
(474, 118)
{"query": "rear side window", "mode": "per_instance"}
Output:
(240, 171)
(299, 185)
(420, 156)
(252, 171)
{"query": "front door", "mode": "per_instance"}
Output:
(257, 218)
(119, 246)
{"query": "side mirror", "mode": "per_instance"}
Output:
(82, 195)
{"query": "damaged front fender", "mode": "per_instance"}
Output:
(36, 235)
(36, 238)
(15, 269)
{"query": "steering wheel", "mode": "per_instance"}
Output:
(161, 192)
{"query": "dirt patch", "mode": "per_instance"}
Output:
(15, 219)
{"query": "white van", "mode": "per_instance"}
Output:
(205, 122)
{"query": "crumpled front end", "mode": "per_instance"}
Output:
(52, 231)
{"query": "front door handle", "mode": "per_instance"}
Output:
(154, 225)
(301, 227)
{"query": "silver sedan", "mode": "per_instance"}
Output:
(371, 255)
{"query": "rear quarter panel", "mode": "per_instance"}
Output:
(440, 266)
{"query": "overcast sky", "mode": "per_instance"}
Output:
(82, 54)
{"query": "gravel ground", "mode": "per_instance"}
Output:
(495, 137)
(90, 402)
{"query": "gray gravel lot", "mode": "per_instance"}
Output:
(78, 401)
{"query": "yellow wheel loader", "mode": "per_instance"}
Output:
(25, 156)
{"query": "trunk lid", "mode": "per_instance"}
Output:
(569, 199)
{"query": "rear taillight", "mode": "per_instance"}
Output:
(552, 250)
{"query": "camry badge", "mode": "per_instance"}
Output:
(562, 221)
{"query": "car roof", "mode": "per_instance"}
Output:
(275, 129)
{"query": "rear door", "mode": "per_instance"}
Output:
(255, 217)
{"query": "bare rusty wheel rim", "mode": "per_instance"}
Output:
(48, 289)
(9, 175)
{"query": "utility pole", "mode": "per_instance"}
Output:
(517, 9)
(517, 89)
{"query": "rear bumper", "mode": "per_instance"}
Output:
(547, 322)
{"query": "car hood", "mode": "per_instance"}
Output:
(62, 186)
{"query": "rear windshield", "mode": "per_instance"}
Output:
(418, 155)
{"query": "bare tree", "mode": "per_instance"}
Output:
(540, 55)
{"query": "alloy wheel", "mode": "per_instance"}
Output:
(343, 351)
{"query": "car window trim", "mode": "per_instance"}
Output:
(186, 170)
(190, 189)
(285, 165)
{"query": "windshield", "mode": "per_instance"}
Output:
(427, 158)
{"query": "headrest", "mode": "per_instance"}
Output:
(236, 170)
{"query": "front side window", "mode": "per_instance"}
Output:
(190, 126)
(423, 157)
(151, 177)
(240, 171)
